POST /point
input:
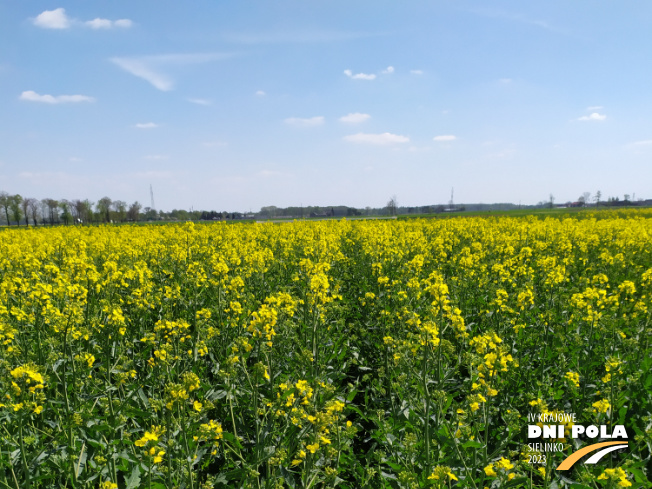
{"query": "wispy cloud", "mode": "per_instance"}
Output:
(445, 138)
(146, 125)
(156, 157)
(153, 68)
(141, 69)
(388, 71)
(385, 138)
(58, 19)
(32, 96)
(260, 93)
(593, 117)
(355, 118)
(200, 101)
(595, 107)
(359, 76)
(639, 147)
(108, 24)
(305, 122)
(505, 81)
(513, 17)
(416, 72)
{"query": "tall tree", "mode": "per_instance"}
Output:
(134, 211)
(103, 208)
(25, 205)
(392, 205)
(5, 203)
(120, 208)
(33, 209)
(64, 205)
(87, 211)
(14, 206)
(51, 206)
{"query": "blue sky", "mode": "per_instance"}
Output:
(234, 105)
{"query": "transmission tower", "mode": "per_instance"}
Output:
(151, 196)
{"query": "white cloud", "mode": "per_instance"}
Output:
(200, 101)
(32, 96)
(75, 159)
(416, 72)
(355, 118)
(108, 24)
(593, 117)
(146, 125)
(359, 76)
(52, 19)
(99, 23)
(260, 93)
(140, 69)
(505, 81)
(150, 68)
(305, 122)
(444, 137)
(595, 107)
(388, 71)
(379, 139)
(57, 19)
(156, 157)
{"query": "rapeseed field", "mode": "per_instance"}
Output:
(397, 354)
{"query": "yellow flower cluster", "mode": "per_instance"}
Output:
(500, 468)
(149, 442)
(617, 475)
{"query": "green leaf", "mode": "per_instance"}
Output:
(143, 397)
(472, 444)
(385, 475)
(134, 479)
(517, 482)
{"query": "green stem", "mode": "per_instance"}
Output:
(23, 456)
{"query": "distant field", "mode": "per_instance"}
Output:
(339, 353)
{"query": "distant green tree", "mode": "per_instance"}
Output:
(26, 205)
(14, 205)
(392, 206)
(66, 216)
(134, 211)
(51, 206)
(5, 203)
(33, 209)
(103, 208)
(120, 210)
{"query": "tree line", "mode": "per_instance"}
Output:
(18, 210)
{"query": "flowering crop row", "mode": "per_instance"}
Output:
(320, 354)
